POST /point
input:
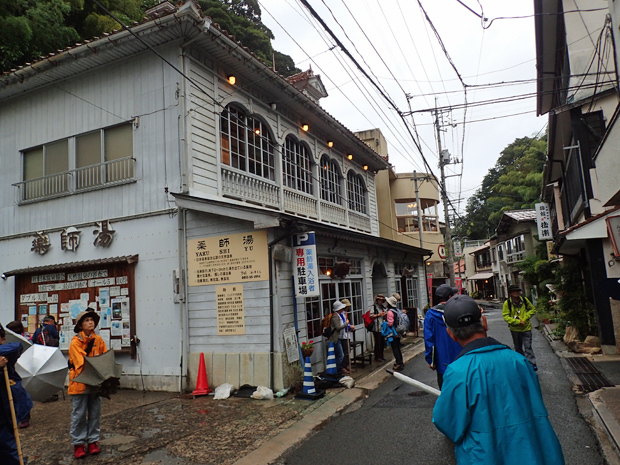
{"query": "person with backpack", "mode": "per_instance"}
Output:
(86, 413)
(377, 315)
(338, 322)
(47, 334)
(345, 336)
(517, 312)
(394, 323)
(440, 349)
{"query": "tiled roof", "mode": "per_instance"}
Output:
(64, 266)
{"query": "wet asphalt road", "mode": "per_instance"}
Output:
(393, 425)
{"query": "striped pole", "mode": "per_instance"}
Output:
(308, 379)
(331, 368)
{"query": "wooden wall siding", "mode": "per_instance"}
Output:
(201, 299)
(129, 88)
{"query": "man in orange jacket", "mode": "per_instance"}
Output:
(86, 414)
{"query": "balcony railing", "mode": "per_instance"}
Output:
(301, 204)
(102, 175)
(359, 221)
(246, 187)
(515, 257)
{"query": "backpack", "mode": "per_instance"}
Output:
(401, 321)
(46, 339)
(326, 325)
(368, 321)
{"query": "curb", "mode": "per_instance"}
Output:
(288, 439)
(606, 418)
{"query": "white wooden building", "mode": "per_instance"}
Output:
(130, 161)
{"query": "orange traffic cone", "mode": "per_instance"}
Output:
(202, 386)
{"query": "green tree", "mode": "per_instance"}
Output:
(512, 184)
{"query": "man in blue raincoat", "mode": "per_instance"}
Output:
(9, 353)
(491, 404)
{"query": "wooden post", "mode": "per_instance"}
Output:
(15, 425)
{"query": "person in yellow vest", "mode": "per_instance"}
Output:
(86, 413)
(517, 312)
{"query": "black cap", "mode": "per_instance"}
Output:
(461, 310)
(514, 287)
(445, 290)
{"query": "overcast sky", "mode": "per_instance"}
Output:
(394, 43)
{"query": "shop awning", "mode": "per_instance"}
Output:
(485, 275)
(64, 266)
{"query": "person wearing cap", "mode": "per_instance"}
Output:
(338, 323)
(491, 405)
(377, 315)
(47, 334)
(392, 323)
(517, 312)
(86, 413)
(22, 404)
(345, 336)
(440, 349)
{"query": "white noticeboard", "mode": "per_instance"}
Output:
(543, 221)
(290, 342)
(305, 265)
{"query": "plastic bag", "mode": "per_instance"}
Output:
(223, 391)
(262, 393)
(347, 382)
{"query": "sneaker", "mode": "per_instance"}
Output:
(79, 452)
(24, 424)
(93, 448)
(535, 367)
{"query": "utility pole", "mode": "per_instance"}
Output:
(417, 202)
(444, 199)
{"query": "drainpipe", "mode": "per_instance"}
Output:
(183, 291)
(272, 283)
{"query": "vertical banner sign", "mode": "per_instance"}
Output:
(457, 249)
(543, 221)
(304, 265)
(429, 284)
(230, 310)
(459, 283)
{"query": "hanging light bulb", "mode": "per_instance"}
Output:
(231, 80)
(305, 127)
(330, 144)
(350, 156)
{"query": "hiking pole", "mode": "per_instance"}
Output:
(15, 427)
(414, 382)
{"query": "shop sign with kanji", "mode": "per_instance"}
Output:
(304, 265)
(543, 221)
(234, 258)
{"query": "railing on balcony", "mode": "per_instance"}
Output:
(98, 176)
(301, 204)
(359, 221)
(515, 257)
(246, 187)
(333, 213)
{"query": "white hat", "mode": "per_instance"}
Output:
(338, 306)
(391, 301)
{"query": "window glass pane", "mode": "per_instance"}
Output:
(406, 208)
(33, 164)
(57, 157)
(118, 142)
(88, 149)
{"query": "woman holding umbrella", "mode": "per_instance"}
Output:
(86, 414)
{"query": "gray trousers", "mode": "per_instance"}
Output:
(83, 430)
(523, 344)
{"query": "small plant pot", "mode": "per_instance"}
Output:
(307, 352)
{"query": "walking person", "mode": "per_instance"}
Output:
(440, 348)
(86, 413)
(346, 335)
(337, 325)
(491, 404)
(377, 315)
(517, 312)
(392, 323)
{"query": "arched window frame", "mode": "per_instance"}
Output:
(356, 192)
(331, 181)
(297, 165)
(246, 143)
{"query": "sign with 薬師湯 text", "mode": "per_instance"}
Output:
(543, 221)
(304, 265)
(235, 258)
(230, 311)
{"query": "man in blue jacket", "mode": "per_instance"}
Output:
(491, 405)
(440, 349)
(9, 353)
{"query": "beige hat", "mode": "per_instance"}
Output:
(88, 312)
(337, 306)
(392, 302)
(396, 295)
(346, 302)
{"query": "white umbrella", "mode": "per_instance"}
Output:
(14, 337)
(43, 370)
(415, 382)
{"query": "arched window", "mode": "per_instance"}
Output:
(246, 143)
(297, 166)
(356, 191)
(330, 181)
